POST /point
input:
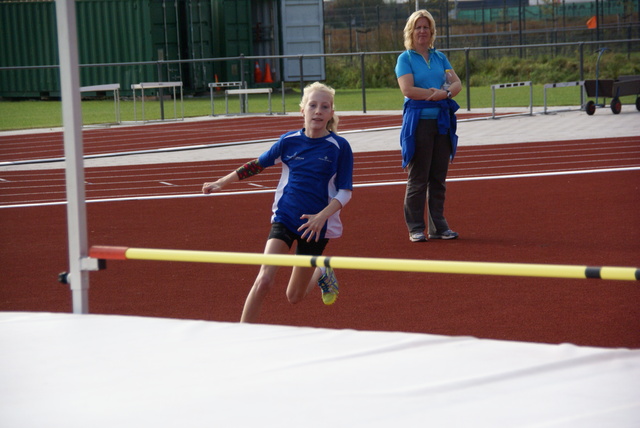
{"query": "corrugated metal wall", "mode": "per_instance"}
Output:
(25, 40)
(233, 25)
(115, 32)
(199, 16)
(122, 31)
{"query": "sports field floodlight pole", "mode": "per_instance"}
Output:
(79, 262)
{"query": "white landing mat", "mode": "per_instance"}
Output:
(66, 370)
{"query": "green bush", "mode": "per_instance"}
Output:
(344, 72)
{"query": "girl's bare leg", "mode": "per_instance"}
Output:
(302, 281)
(263, 283)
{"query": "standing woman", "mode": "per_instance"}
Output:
(427, 137)
(316, 183)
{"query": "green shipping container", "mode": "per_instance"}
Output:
(233, 26)
(119, 31)
(27, 38)
(112, 31)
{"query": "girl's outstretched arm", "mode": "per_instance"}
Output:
(245, 171)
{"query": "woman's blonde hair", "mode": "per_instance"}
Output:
(332, 124)
(411, 26)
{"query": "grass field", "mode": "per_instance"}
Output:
(47, 114)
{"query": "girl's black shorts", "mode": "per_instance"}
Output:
(313, 248)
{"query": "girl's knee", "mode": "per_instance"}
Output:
(296, 296)
(263, 285)
(302, 281)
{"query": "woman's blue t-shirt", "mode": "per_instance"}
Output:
(426, 75)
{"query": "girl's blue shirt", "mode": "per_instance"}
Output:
(313, 170)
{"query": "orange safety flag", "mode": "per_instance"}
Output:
(592, 23)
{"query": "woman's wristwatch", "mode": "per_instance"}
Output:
(449, 95)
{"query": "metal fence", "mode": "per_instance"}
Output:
(359, 60)
(583, 49)
(512, 22)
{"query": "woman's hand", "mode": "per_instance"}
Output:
(437, 95)
(413, 92)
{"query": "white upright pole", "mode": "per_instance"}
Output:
(73, 150)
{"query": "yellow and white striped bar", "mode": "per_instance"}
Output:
(364, 263)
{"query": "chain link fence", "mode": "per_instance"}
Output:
(515, 22)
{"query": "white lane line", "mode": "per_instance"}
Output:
(388, 183)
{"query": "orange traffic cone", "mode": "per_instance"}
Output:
(257, 74)
(216, 77)
(267, 74)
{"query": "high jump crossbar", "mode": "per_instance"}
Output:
(364, 263)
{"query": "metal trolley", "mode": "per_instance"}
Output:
(614, 89)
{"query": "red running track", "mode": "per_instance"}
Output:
(177, 134)
(182, 179)
(50, 145)
(501, 215)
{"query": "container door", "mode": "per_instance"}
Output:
(198, 29)
(233, 36)
(302, 34)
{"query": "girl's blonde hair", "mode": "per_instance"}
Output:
(411, 26)
(332, 124)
